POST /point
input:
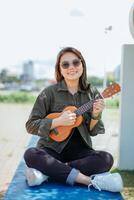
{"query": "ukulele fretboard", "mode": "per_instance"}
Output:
(85, 107)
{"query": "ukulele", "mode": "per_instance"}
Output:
(60, 133)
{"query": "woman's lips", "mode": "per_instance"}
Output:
(71, 73)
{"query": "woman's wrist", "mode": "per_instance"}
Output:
(96, 117)
(55, 123)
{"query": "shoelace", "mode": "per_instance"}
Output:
(95, 185)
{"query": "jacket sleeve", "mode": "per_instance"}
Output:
(37, 123)
(99, 127)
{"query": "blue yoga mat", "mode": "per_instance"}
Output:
(19, 190)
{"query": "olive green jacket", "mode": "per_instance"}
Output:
(54, 99)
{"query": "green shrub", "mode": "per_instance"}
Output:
(24, 97)
(112, 103)
(17, 97)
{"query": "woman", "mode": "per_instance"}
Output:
(73, 160)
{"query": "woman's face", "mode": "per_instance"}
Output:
(70, 66)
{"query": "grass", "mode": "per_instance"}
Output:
(128, 180)
(17, 97)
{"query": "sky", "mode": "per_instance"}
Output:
(38, 29)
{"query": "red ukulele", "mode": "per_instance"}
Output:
(60, 133)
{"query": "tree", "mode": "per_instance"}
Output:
(96, 81)
(3, 75)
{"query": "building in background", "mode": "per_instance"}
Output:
(28, 72)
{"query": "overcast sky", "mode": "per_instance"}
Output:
(38, 29)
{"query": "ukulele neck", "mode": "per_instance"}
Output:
(108, 92)
(86, 107)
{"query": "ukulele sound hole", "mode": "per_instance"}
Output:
(55, 131)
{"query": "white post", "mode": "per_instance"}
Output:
(106, 31)
(126, 147)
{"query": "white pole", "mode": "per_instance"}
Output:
(106, 31)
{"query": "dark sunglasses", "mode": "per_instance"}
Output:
(75, 63)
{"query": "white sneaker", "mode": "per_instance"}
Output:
(35, 177)
(107, 181)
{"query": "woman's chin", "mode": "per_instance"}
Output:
(73, 77)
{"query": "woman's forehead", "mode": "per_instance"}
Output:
(68, 55)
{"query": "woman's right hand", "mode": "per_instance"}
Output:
(67, 118)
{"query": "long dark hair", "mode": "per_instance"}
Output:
(83, 79)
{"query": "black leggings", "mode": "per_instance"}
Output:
(61, 169)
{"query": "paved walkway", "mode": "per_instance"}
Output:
(110, 140)
(14, 138)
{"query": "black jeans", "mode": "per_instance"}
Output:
(65, 169)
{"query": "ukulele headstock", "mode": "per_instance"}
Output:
(111, 90)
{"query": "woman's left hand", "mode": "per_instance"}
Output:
(98, 107)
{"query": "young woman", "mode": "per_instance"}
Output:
(72, 160)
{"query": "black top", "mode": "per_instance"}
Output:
(76, 147)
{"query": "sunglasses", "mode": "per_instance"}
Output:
(75, 63)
